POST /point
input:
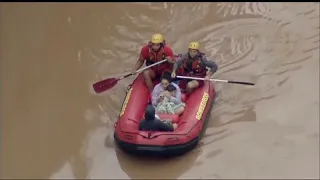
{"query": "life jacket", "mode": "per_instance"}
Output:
(194, 66)
(156, 57)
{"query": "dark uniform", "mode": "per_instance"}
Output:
(150, 123)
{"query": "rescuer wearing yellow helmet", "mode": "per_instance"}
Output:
(156, 50)
(194, 63)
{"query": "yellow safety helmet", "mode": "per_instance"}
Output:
(194, 45)
(157, 38)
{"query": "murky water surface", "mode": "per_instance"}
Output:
(54, 126)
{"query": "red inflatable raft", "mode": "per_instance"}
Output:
(183, 139)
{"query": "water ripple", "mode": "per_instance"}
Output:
(260, 38)
(266, 43)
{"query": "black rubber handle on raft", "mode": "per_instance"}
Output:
(243, 83)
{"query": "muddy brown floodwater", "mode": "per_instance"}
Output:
(54, 126)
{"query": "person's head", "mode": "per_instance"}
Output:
(149, 113)
(166, 79)
(193, 49)
(157, 41)
(172, 90)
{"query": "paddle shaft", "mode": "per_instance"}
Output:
(216, 80)
(145, 68)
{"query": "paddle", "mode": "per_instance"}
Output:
(110, 82)
(217, 80)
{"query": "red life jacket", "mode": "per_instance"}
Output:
(155, 57)
(194, 66)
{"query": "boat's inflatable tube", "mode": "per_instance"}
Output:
(183, 139)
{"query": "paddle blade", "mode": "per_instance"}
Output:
(243, 83)
(104, 85)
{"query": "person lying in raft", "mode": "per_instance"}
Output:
(160, 92)
(151, 123)
(166, 106)
(194, 63)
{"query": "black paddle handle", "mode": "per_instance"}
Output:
(243, 83)
(128, 75)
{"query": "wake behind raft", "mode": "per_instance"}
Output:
(130, 139)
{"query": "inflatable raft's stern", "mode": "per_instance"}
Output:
(162, 151)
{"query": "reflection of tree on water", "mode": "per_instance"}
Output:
(171, 168)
